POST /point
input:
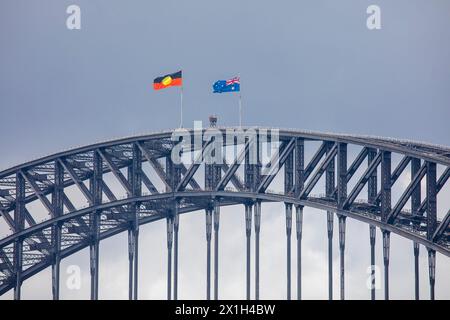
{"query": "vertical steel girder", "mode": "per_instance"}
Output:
(57, 199)
(130, 244)
(169, 220)
(18, 256)
(209, 177)
(208, 216)
(289, 171)
(372, 231)
(341, 174)
(431, 221)
(94, 255)
(432, 271)
(329, 175)
(288, 159)
(169, 174)
(416, 193)
(249, 173)
(176, 226)
(385, 210)
(217, 174)
(299, 227)
(56, 261)
(416, 270)
(257, 171)
(372, 183)
(386, 249)
(330, 225)
(288, 247)
(385, 185)
(257, 230)
(96, 183)
(329, 189)
(431, 199)
(415, 205)
(136, 172)
(299, 166)
(248, 231)
(130, 263)
(19, 221)
(342, 252)
(212, 180)
(341, 198)
(216, 217)
(355, 165)
(136, 263)
(212, 175)
(299, 176)
(396, 174)
(371, 197)
(135, 180)
(173, 177)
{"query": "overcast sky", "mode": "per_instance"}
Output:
(303, 64)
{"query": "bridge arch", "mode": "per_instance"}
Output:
(33, 245)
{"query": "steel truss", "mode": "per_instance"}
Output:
(68, 228)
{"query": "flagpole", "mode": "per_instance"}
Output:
(181, 107)
(240, 109)
(240, 102)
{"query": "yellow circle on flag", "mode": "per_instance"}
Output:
(167, 80)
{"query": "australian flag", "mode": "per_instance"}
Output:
(231, 85)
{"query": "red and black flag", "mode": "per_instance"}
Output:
(169, 80)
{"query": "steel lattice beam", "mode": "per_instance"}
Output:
(116, 172)
(276, 164)
(81, 186)
(193, 167)
(396, 174)
(231, 170)
(32, 183)
(406, 195)
(36, 245)
(439, 185)
(442, 227)
(319, 171)
(363, 180)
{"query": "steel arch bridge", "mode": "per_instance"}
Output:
(40, 187)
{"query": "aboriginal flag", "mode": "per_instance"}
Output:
(169, 80)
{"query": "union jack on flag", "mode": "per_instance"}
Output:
(233, 81)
